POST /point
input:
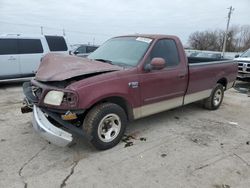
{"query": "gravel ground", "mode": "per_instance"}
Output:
(185, 147)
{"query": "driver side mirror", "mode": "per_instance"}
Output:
(237, 55)
(156, 63)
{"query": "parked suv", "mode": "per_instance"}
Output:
(20, 55)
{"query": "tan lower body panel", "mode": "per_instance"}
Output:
(154, 108)
(197, 96)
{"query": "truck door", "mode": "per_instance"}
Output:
(31, 51)
(9, 58)
(163, 89)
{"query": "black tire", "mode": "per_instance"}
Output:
(92, 125)
(211, 103)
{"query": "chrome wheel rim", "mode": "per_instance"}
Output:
(217, 97)
(109, 127)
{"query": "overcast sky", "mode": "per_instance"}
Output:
(97, 20)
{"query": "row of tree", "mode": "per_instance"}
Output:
(238, 39)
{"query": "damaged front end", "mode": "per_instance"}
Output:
(56, 115)
(57, 125)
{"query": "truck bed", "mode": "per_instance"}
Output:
(205, 72)
(192, 60)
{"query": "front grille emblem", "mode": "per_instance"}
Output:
(244, 67)
(133, 84)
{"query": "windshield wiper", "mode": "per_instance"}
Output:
(104, 60)
(115, 63)
(123, 64)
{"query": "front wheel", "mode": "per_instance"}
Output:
(214, 101)
(105, 124)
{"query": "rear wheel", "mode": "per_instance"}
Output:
(105, 124)
(214, 101)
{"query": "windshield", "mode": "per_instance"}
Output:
(123, 51)
(246, 53)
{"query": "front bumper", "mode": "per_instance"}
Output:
(243, 75)
(48, 131)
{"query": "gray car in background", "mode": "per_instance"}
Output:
(84, 50)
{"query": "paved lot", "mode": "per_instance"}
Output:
(185, 147)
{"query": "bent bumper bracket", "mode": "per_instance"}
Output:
(48, 131)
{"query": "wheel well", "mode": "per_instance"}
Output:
(223, 81)
(119, 101)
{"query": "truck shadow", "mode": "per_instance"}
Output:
(138, 131)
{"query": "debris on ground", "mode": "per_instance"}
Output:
(127, 139)
(176, 117)
(163, 155)
(233, 123)
(222, 186)
(128, 144)
(201, 140)
(143, 139)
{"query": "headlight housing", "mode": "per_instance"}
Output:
(54, 98)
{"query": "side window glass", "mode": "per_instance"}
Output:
(56, 43)
(30, 46)
(8, 46)
(166, 49)
(91, 49)
(82, 49)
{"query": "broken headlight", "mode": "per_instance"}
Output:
(69, 100)
(54, 98)
(64, 99)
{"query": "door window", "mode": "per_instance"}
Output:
(166, 49)
(8, 46)
(81, 49)
(91, 48)
(56, 43)
(30, 46)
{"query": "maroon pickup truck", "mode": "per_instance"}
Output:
(127, 78)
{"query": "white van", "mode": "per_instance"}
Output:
(20, 55)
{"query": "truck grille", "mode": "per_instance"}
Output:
(244, 67)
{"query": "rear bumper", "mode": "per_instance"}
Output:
(48, 131)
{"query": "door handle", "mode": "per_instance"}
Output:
(12, 58)
(181, 76)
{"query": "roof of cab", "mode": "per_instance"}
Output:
(152, 36)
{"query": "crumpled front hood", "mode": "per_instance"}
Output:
(58, 67)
